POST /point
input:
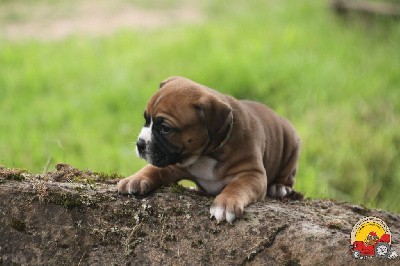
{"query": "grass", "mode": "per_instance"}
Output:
(80, 100)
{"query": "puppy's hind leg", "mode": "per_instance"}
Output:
(282, 186)
(281, 190)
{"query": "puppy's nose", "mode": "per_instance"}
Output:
(141, 145)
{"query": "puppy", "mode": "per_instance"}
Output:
(238, 151)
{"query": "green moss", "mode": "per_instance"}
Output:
(177, 189)
(82, 180)
(101, 176)
(79, 189)
(16, 175)
(71, 201)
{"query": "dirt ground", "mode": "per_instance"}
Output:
(45, 20)
(74, 217)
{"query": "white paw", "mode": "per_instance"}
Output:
(278, 191)
(221, 214)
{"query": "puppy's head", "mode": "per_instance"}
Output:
(183, 121)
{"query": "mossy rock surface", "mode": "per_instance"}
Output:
(78, 222)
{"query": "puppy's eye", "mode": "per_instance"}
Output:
(165, 129)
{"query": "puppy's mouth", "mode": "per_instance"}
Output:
(154, 147)
(141, 153)
(158, 153)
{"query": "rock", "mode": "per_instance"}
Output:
(85, 221)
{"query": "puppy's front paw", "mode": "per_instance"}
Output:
(224, 208)
(134, 185)
(278, 191)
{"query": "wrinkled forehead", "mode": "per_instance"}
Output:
(174, 104)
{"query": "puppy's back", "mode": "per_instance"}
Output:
(282, 142)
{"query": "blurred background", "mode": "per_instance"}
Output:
(75, 77)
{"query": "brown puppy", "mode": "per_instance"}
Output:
(237, 150)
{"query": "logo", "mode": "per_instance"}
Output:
(371, 237)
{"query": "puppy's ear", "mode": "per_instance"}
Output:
(168, 80)
(218, 118)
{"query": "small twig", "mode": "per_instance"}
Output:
(46, 167)
(79, 263)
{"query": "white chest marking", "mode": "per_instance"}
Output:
(203, 168)
(203, 171)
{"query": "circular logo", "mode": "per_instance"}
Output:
(371, 237)
(365, 226)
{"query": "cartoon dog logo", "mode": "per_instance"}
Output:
(371, 237)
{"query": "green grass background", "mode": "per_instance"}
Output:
(80, 100)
